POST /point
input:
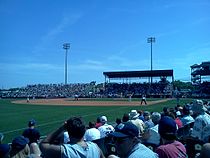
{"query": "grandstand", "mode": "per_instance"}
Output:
(161, 88)
(200, 78)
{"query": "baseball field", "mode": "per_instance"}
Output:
(51, 113)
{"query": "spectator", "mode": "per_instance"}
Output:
(170, 148)
(127, 143)
(92, 133)
(76, 148)
(20, 147)
(134, 118)
(147, 120)
(31, 132)
(165, 112)
(187, 118)
(98, 122)
(105, 129)
(151, 135)
(202, 121)
(176, 119)
(125, 117)
(141, 116)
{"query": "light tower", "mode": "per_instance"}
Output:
(66, 46)
(151, 40)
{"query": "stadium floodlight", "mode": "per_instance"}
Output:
(151, 40)
(66, 46)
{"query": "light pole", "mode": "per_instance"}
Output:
(151, 40)
(66, 46)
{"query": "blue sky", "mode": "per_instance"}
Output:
(105, 35)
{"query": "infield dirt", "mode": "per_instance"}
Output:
(83, 102)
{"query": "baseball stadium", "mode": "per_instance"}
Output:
(121, 93)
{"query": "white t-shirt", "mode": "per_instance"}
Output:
(92, 134)
(77, 151)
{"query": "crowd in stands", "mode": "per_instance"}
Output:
(50, 91)
(172, 133)
(88, 90)
(156, 88)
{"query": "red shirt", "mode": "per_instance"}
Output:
(172, 150)
(178, 122)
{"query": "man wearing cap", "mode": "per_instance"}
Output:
(128, 144)
(20, 147)
(201, 126)
(134, 118)
(171, 148)
(105, 129)
(31, 132)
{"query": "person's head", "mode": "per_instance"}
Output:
(20, 146)
(156, 117)
(31, 123)
(126, 137)
(146, 115)
(125, 117)
(186, 109)
(133, 114)
(118, 121)
(91, 124)
(198, 107)
(75, 127)
(167, 128)
(103, 120)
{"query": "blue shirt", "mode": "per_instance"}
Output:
(142, 151)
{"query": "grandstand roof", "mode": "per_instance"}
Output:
(130, 74)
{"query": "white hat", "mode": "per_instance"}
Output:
(133, 114)
(103, 119)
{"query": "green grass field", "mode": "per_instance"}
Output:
(14, 117)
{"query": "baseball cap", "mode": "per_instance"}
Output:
(134, 114)
(31, 122)
(146, 113)
(167, 126)
(126, 129)
(156, 116)
(19, 142)
(103, 119)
